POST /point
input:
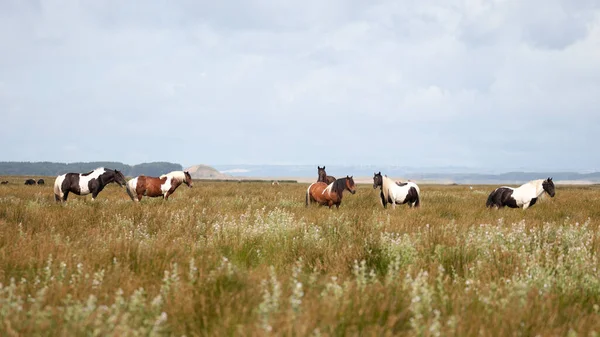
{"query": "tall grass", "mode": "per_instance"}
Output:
(250, 259)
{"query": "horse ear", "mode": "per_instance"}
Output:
(379, 173)
(323, 167)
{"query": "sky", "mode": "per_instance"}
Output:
(500, 84)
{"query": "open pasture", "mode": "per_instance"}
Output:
(250, 258)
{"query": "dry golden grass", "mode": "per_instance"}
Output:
(249, 258)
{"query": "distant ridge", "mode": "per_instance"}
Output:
(206, 172)
(46, 168)
(441, 175)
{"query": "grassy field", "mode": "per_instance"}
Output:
(250, 259)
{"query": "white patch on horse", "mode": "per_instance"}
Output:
(327, 189)
(84, 180)
(524, 193)
(178, 176)
(166, 186)
(132, 186)
(58, 185)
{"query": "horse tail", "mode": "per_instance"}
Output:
(418, 201)
(307, 200)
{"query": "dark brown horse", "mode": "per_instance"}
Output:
(162, 186)
(323, 177)
(331, 194)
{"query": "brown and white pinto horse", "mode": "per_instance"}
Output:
(323, 177)
(162, 186)
(331, 194)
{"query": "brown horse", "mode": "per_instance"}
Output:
(323, 177)
(162, 186)
(331, 194)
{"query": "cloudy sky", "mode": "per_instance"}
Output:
(472, 83)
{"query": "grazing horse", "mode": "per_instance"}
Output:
(331, 194)
(396, 193)
(41, 182)
(29, 182)
(5, 182)
(162, 186)
(85, 183)
(323, 177)
(523, 196)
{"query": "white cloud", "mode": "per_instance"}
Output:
(476, 82)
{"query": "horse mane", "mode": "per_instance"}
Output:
(338, 186)
(178, 175)
(92, 171)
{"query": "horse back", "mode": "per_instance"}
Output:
(316, 192)
(150, 186)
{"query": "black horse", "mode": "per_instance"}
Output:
(85, 183)
(5, 182)
(41, 182)
(29, 182)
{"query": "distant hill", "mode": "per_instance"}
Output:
(54, 169)
(206, 172)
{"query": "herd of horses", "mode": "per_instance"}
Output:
(326, 191)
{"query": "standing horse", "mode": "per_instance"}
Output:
(331, 194)
(396, 193)
(29, 182)
(323, 177)
(41, 182)
(523, 196)
(162, 186)
(85, 183)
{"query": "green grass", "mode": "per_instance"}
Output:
(226, 258)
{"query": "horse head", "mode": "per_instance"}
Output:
(120, 178)
(377, 180)
(548, 186)
(322, 174)
(350, 186)
(188, 179)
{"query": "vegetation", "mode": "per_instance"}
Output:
(54, 169)
(225, 258)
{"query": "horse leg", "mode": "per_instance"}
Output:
(382, 199)
(166, 196)
(65, 195)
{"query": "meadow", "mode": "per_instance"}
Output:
(227, 258)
